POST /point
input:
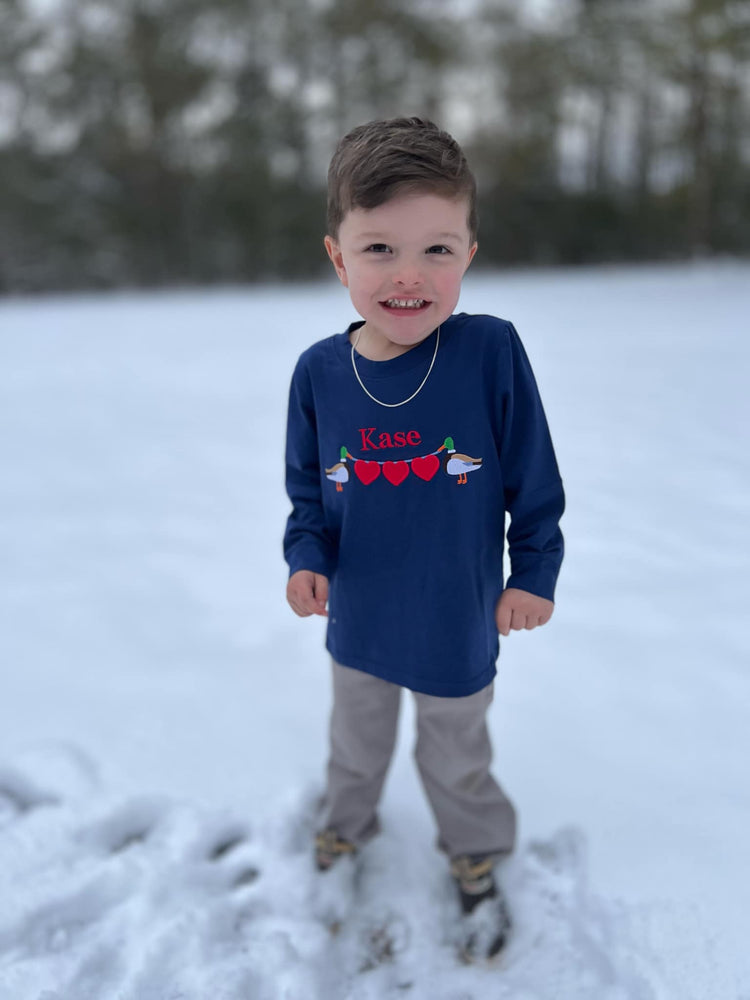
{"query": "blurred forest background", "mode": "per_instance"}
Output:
(165, 142)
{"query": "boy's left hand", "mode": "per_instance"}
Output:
(518, 609)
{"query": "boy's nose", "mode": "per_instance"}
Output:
(408, 275)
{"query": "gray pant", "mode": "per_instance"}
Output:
(452, 752)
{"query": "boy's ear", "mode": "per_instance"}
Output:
(337, 259)
(472, 251)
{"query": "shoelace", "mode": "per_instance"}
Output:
(474, 876)
(329, 842)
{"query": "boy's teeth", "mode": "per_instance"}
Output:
(405, 303)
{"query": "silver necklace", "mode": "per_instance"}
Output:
(415, 393)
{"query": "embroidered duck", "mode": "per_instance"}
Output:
(339, 473)
(455, 464)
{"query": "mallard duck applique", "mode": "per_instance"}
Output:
(339, 473)
(456, 464)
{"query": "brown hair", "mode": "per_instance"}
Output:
(376, 161)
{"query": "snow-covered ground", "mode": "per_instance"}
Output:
(163, 714)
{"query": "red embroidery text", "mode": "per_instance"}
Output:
(372, 440)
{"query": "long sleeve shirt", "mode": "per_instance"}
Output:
(404, 508)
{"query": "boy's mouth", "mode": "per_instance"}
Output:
(413, 304)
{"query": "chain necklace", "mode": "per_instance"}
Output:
(415, 393)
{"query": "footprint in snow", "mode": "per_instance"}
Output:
(19, 795)
(129, 824)
(88, 888)
(49, 772)
(64, 921)
(563, 932)
(227, 849)
(153, 824)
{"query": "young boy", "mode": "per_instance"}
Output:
(409, 437)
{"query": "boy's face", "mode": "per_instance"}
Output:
(403, 263)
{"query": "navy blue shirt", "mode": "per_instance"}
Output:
(403, 509)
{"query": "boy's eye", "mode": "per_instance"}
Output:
(378, 248)
(438, 248)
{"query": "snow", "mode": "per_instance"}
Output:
(163, 714)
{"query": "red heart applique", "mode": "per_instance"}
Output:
(395, 472)
(366, 472)
(425, 467)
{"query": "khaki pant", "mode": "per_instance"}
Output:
(452, 753)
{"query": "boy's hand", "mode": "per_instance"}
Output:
(307, 593)
(519, 609)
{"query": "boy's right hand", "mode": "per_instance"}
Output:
(307, 593)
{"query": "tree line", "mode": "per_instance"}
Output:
(164, 142)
